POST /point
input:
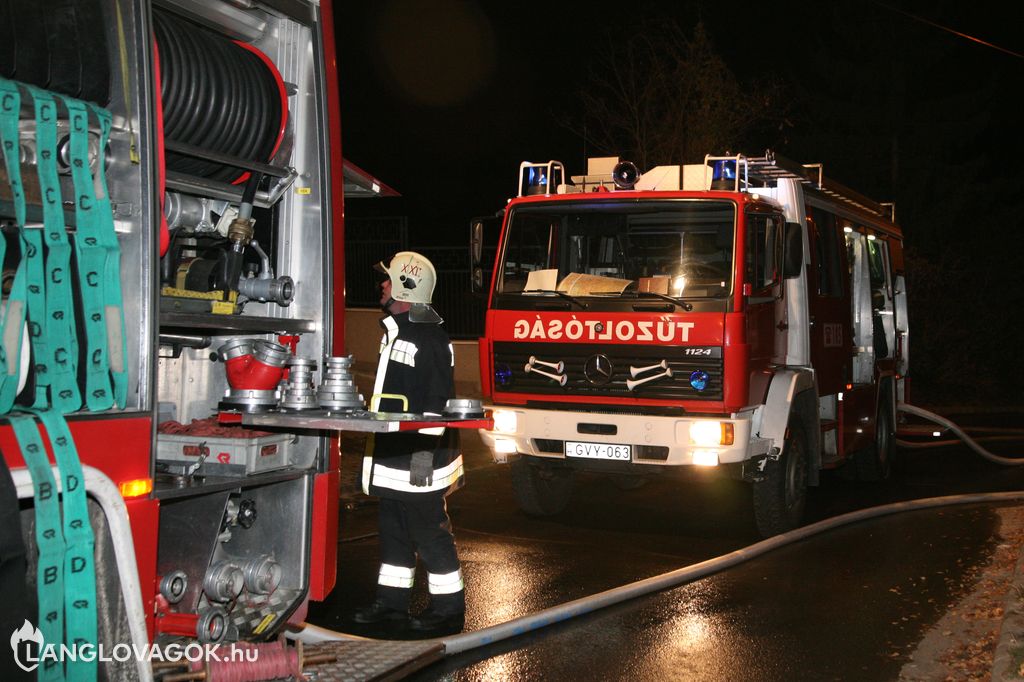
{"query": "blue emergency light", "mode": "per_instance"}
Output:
(502, 375)
(540, 178)
(724, 169)
(699, 379)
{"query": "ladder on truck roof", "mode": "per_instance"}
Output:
(769, 168)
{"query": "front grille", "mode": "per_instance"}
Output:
(549, 445)
(682, 360)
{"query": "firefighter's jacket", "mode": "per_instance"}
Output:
(416, 361)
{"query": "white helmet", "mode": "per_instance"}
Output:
(412, 278)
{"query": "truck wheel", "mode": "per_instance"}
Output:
(780, 497)
(875, 463)
(541, 489)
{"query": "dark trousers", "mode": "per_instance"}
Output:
(19, 603)
(408, 529)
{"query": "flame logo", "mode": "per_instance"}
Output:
(19, 638)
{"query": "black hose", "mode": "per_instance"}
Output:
(217, 96)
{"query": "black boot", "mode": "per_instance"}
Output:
(437, 623)
(378, 612)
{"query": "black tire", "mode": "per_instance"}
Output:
(780, 497)
(540, 488)
(875, 463)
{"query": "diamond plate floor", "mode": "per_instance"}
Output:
(371, 659)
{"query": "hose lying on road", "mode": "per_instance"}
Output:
(942, 421)
(312, 634)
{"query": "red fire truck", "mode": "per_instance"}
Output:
(171, 202)
(745, 314)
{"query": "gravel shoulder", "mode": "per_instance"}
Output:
(981, 637)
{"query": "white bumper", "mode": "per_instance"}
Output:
(654, 440)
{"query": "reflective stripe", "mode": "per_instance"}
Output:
(447, 583)
(367, 465)
(388, 340)
(451, 353)
(404, 352)
(396, 576)
(398, 479)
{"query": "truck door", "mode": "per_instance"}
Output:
(766, 309)
(861, 308)
(830, 307)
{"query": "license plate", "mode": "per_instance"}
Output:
(622, 453)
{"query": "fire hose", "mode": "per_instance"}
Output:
(957, 431)
(312, 634)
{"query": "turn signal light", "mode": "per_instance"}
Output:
(136, 487)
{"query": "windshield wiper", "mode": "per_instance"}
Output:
(564, 295)
(665, 297)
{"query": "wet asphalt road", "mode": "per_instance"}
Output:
(846, 605)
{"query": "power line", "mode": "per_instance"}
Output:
(950, 30)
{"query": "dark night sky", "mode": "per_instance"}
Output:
(442, 99)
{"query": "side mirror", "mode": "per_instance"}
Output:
(483, 233)
(476, 242)
(793, 251)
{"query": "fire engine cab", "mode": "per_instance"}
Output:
(745, 314)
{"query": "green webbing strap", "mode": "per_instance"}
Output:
(66, 572)
(113, 307)
(59, 323)
(91, 257)
(10, 106)
(79, 568)
(14, 313)
(50, 573)
(35, 298)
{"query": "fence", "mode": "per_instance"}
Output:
(369, 240)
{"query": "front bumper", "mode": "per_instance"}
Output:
(655, 440)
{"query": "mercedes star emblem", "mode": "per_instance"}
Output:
(598, 369)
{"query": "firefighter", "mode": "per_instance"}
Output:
(412, 472)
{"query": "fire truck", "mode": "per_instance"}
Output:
(746, 315)
(172, 356)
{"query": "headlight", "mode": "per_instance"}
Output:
(707, 433)
(505, 421)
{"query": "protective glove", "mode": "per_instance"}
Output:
(421, 468)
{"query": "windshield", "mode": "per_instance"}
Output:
(670, 248)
